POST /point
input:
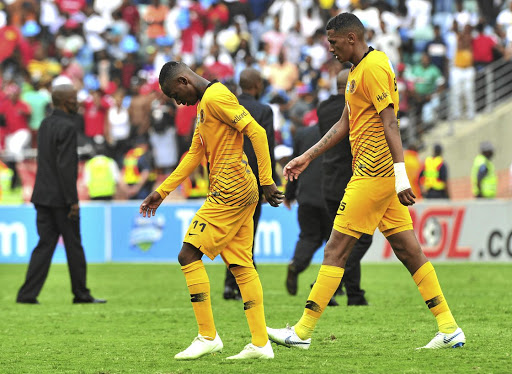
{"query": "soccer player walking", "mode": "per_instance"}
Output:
(378, 192)
(224, 224)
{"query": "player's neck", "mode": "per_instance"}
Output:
(359, 53)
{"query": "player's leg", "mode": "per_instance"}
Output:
(198, 285)
(207, 341)
(238, 257)
(408, 250)
(359, 212)
(336, 253)
(231, 290)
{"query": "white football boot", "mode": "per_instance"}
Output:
(288, 337)
(252, 351)
(200, 346)
(441, 340)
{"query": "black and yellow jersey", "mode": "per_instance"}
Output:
(371, 87)
(218, 137)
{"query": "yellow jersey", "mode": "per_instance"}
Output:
(218, 137)
(220, 121)
(371, 87)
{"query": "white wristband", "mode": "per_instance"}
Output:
(401, 179)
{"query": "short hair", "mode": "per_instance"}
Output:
(170, 70)
(346, 22)
(248, 78)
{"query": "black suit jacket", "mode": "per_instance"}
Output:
(337, 162)
(263, 115)
(307, 188)
(57, 162)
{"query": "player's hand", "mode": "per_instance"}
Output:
(296, 166)
(273, 196)
(407, 197)
(74, 212)
(150, 204)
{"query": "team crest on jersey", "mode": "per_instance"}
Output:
(201, 116)
(352, 86)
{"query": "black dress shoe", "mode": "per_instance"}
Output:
(359, 301)
(231, 294)
(291, 281)
(27, 301)
(332, 302)
(90, 300)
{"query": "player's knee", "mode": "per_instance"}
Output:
(189, 254)
(244, 274)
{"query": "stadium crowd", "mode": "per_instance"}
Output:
(112, 52)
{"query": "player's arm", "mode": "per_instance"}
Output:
(258, 138)
(392, 134)
(184, 169)
(379, 86)
(337, 132)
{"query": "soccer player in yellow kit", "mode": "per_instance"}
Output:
(223, 225)
(379, 191)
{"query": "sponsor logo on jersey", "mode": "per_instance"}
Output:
(382, 96)
(239, 117)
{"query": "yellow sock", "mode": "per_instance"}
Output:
(252, 294)
(428, 285)
(328, 280)
(199, 288)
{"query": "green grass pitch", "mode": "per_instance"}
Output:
(148, 319)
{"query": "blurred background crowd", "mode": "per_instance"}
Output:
(446, 54)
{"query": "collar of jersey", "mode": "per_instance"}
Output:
(211, 83)
(366, 54)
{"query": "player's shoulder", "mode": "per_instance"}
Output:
(218, 91)
(378, 58)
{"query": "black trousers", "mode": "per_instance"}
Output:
(352, 276)
(315, 228)
(230, 280)
(51, 223)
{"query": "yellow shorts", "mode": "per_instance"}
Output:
(225, 230)
(368, 203)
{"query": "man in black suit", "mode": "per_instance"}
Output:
(55, 198)
(251, 84)
(314, 221)
(337, 171)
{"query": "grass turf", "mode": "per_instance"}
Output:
(148, 319)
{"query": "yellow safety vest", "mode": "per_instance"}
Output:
(489, 183)
(101, 182)
(131, 173)
(431, 174)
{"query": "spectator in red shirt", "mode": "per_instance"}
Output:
(15, 136)
(184, 120)
(9, 40)
(96, 107)
(16, 114)
(130, 14)
(483, 48)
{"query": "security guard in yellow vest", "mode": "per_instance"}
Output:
(138, 171)
(483, 176)
(101, 175)
(434, 176)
